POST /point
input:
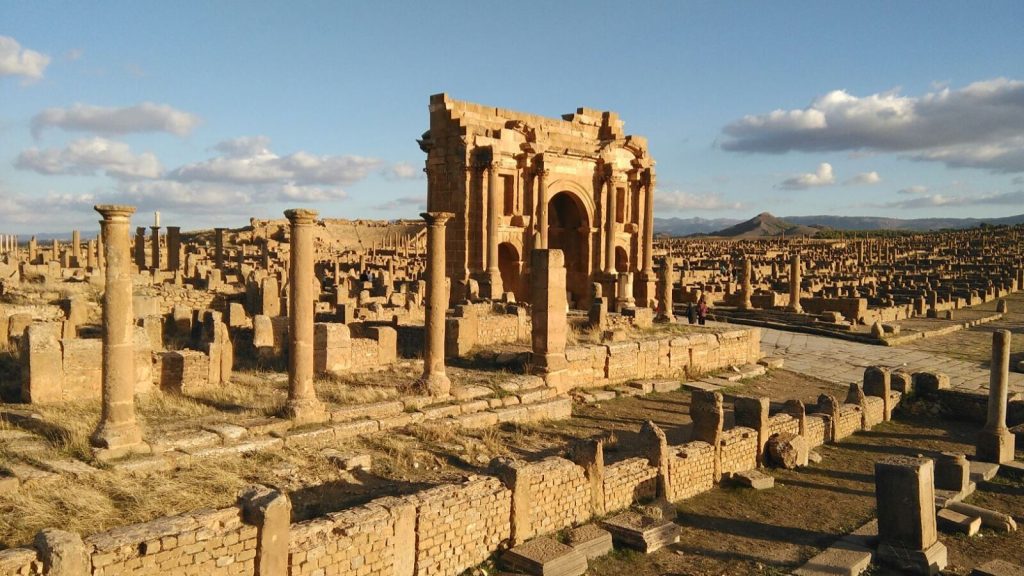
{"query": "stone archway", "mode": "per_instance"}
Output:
(510, 263)
(569, 231)
(621, 259)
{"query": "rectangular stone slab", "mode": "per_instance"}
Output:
(590, 541)
(640, 532)
(545, 556)
(957, 523)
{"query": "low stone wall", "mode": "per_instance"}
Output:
(631, 480)
(691, 470)
(849, 420)
(816, 428)
(783, 424)
(852, 309)
(20, 562)
(738, 450)
(484, 324)
(357, 540)
(166, 296)
(599, 365)
(336, 350)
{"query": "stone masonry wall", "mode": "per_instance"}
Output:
(780, 423)
(738, 450)
(20, 562)
(874, 411)
(850, 420)
(629, 481)
(485, 324)
(814, 429)
(559, 495)
(354, 541)
(691, 470)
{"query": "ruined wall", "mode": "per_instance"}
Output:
(853, 309)
(850, 420)
(559, 496)
(874, 411)
(783, 423)
(815, 429)
(484, 324)
(20, 562)
(738, 450)
(360, 540)
(631, 480)
(166, 296)
(691, 470)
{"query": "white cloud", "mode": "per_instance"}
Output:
(23, 209)
(823, 176)
(939, 200)
(144, 117)
(1017, 180)
(402, 171)
(864, 179)
(249, 160)
(18, 61)
(915, 189)
(89, 155)
(679, 201)
(980, 125)
(401, 203)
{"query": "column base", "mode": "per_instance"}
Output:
(994, 446)
(542, 364)
(492, 288)
(435, 383)
(795, 309)
(305, 411)
(931, 560)
(117, 436)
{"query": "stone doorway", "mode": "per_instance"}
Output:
(569, 231)
(511, 264)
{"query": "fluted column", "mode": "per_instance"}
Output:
(303, 405)
(494, 202)
(609, 241)
(118, 429)
(434, 380)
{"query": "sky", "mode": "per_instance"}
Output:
(212, 112)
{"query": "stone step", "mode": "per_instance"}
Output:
(702, 386)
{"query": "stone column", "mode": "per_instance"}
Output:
(434, 380)
(609, 241)
(995, 442)
(101, 256)
(666, 313)
(905, 500)
(90, 255)
(155, 247)
(542, 207)
(647, 275)
(303, 405)
(218, 247)
(794, 284)
(745, 290)
(76, 251)
(118, 431)
(55, 251)
(548, 310)
(173, 248)
(140, 247)
(494, 205)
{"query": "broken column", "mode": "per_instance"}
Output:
(548, 313)
(905, 500)
(434, 380)
(995, 442)
(303, 405)
(878, 383)
(118, 431)
(794, 284)
(76, 248)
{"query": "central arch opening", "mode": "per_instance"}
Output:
(569, 231)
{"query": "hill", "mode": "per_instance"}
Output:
(764, 225)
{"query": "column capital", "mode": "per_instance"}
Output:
(115, 211)
(437, 218)
(301, 216)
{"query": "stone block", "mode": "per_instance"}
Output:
(545, 556)
(639, 532)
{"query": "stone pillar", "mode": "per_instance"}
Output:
(995, 442)
(665, 313)
(495, 198)
(548, 310)
(101, 256)
(905, 500)
(434, 380)
(90, 255)
(62, 553)
(588, 453)
(76, 250)
(878, 383)
(794, 284)
(647, 274)
(118, 430)
(745, 290)
(33, 249)
(752, 412)
(140, 247)
(173, 248)
(542, 206)
(218, 248)
(609, 240)
(303, 405)
(55, 251)
(155, 247)
(270, 511)
(708, 414)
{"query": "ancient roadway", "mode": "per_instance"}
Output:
(842, 362)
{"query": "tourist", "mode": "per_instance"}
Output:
(702, 310)
(691, 313)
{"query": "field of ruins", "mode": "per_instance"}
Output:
(526, 380)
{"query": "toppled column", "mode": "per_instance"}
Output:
(435, 380)
(905, 500)
(548, 312)
(303, 405)
(995, 442)
(794, 284)
(118, 431)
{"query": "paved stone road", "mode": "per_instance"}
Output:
(843, 362)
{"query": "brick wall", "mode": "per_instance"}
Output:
(781, 423)
(874, 411)
(559, 495)
(850, 420)
(691, 470)
(631, 480)
(207, 542)
(355, 541)
(738, 449)
(814, 429)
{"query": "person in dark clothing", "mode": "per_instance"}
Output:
(691, 313)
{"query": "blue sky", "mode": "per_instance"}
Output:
(212, 112)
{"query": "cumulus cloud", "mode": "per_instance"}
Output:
(823, 176)
(18, 61)
(24, 209)
(980, 125)
(402, 203)
(91, 155)
(939, 200)
(144, 117)
(249, 160)
(864, 179)
(679, 201)
(915, 189)
(1017, 180)
(402, 171)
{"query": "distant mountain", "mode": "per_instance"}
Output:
(916, 224)
(764, 225)
(688, 226)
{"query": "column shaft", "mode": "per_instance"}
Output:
(435, 381)
(609, 241)
(303, 405)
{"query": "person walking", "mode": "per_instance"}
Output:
(702, 310)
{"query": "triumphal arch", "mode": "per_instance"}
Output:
(519, 181)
